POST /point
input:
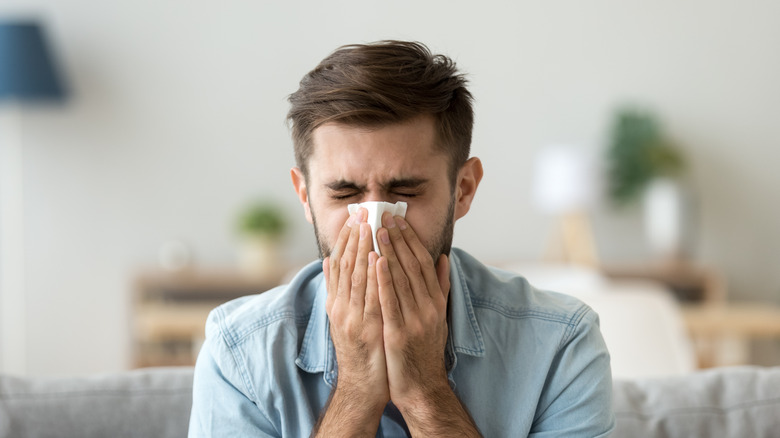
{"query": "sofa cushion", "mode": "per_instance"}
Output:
(156, 402)
(722, 402)
(142, 403)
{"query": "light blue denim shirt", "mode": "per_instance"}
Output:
(523, 362)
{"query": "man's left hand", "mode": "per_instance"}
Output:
(413, 295)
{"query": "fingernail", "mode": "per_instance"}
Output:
(401, 223)
(351, 220)
(384, 236)
(390, 222)
(372, 258)
(364, 231)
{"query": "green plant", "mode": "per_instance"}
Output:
(637, 153)
(263, 218)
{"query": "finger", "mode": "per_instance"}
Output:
(347, 260)
(373, 309)
(326, 272)
(443, 274)
(334, 261)
(401, 281)
(427, 268)
(358, 294)
(392, 316)
(402, 259)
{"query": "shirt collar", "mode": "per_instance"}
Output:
(464, 328)
(317, 354)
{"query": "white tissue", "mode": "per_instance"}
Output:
(375, 211)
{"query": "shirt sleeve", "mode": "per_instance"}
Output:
(221, 405)
(577, 398)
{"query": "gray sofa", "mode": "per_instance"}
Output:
(155, 402)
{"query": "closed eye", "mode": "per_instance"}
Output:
(343, 196)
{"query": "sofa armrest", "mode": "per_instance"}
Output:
(721, 402)
(153, 402)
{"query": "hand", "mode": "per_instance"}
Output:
(354, 312)
(413, 295)
(389, 329)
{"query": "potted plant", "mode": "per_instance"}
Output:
(645, 166)
(261, 225)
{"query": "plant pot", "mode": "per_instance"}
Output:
(259, 257)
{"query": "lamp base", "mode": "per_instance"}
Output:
(573, 241)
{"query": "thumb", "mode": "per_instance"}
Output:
(326, 269)
(443, 273)
(331, 296)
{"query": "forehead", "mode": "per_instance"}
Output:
(407, 149)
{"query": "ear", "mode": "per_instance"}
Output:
(299, 183)
(468, 180)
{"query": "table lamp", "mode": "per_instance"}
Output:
(565, 185)
(27, 73)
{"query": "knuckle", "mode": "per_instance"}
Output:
(396, 237)
(358, 279)
(351, 329)
(403, 282)
(335, 313)
(417, 329)
(345, 265)
(391, 305)
(431, 318)
(386, 281)
(413, 265)
(373, 313)
(396, 338)
(427, 262)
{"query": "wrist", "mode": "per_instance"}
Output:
(425, 398)
(437, 411)
(361, 397)
(350, 413)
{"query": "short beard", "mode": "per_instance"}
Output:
(322, 246)
(442, 240)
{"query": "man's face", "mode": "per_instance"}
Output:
(393, 163)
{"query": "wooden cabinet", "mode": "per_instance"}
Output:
(689, 282)
(169, 310)
(722, 333)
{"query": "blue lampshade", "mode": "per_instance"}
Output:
(27, 69)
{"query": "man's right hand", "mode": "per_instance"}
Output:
(361, 393)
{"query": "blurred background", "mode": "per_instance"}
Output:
(138, 183)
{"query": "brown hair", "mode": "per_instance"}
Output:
(382, 83)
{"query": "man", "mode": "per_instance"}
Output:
(424, 340)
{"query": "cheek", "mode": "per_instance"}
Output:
(330, 221)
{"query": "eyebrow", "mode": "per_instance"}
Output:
(394, 183)
(405, 183)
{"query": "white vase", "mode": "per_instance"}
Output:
(667, 218)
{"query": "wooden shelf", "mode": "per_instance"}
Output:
(722, 333)
(754, 320)
(688, 281)
(170, 310)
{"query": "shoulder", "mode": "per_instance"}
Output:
(287, 305)
(510, 295)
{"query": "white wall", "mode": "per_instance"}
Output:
(177, 117)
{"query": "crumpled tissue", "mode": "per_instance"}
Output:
(375, 211)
